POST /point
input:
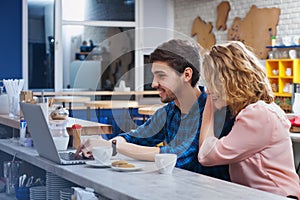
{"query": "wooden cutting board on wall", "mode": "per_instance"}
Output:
(222, 9)
(253, 30)
(203, 30)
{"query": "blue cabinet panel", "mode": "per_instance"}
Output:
(11, 39)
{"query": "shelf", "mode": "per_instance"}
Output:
(287, 77)
(283, 94)
(273, 76)
(282, 85)
(283, 47)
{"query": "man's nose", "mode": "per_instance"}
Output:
(154, 83)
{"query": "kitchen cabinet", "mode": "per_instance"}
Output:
(283, 73)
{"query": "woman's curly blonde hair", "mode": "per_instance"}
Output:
(234, 74)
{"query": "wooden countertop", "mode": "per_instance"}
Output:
(144, 184)
(94, 93)
(88, 127)
(149, 109)
(112, 104)
(71, 99)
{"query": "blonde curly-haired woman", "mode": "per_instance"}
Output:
(258, 149)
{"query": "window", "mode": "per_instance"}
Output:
(40, 44)
(92, 47)
(77, 34)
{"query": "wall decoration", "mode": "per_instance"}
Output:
(203, 30)
(233, 32)
(253, 30)
(222, 10)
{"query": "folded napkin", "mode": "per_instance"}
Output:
(83, 194)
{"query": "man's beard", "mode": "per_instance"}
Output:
(168, 98)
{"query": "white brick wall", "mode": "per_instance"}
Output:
(289, 21)
(187, 10)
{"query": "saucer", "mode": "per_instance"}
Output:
(94, 163)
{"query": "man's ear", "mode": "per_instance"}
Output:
(187, 74)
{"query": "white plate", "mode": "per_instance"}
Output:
(123, 169)
(94, 163)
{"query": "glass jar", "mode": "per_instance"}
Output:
(59, 134)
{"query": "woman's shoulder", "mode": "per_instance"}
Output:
(254, 108)
(263, 110)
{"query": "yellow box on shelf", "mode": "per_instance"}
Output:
(283, 73)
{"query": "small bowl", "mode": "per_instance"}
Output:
(287, 40)
(59, 114)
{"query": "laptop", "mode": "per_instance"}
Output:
(42, 138)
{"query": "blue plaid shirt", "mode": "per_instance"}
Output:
(181, 134)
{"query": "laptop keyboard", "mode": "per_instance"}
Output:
(70, 156)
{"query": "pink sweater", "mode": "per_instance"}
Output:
(258, 150)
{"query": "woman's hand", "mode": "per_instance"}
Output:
(86, 147)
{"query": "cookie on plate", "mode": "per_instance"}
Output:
(128, 165)
(119, 162)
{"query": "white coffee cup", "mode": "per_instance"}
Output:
(287, 40)
(165, 163)
(292, 54)
(288, 71)
(102, 154)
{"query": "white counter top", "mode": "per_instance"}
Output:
(145, 184)
(295, 137)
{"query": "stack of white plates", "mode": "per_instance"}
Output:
(66, 194)
(54, 184)
(37, 193)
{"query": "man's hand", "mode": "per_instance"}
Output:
(87, 146)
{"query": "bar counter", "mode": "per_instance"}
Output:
(144, 184)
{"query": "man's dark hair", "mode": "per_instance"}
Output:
(179, 54)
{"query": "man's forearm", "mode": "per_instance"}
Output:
(136, 151)
(207, 126)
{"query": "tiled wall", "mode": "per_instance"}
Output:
(187, 10)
